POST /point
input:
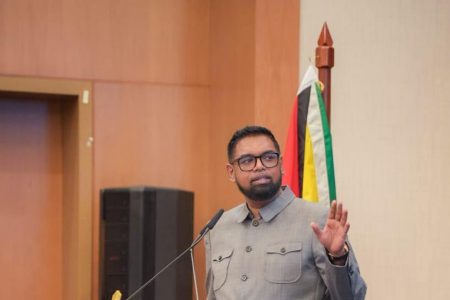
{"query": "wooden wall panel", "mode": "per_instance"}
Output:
(276, 67)
(254, 67)
(173, 80)
(151, 135)
(139, 40)
(232, 88)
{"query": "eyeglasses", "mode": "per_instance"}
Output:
(248, 162)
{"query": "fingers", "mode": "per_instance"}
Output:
(347, 227)
(344, 217)
(332, 212)
(338, 212)
(316, 230)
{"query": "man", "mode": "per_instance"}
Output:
(271, 246)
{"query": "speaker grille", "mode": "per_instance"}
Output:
(142, 229)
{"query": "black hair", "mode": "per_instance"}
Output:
(249, 131)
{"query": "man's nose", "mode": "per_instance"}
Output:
(259, 165)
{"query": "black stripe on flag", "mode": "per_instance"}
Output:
(302, 115)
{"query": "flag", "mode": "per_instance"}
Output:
(308, 156)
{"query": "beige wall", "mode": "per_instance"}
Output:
(390, 123)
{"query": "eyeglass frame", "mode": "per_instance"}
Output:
(256, 160)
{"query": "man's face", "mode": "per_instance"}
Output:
(260, 183)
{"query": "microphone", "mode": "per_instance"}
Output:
(203, 232)
(212, 222)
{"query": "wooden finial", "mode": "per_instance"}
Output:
(324, 62)
(325, 38)
(325, 50)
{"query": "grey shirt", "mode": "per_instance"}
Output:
(276, 257)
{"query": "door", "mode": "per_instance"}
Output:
(31, 187)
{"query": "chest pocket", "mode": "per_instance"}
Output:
(283, 262)
(220, 262)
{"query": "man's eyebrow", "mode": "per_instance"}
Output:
(244, 155)
(264, 152)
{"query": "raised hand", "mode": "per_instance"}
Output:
(333, 235)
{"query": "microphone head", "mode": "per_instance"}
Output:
(212, 222)
(215, 219)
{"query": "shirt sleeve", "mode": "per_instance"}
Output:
(209, 275)
(342, 282)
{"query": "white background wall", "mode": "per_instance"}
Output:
(391, 128)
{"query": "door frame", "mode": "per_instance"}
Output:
(77, 177)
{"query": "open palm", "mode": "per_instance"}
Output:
(334, 234)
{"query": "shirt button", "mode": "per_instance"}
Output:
(255, 223)
(219, 258)
(248, 249)
(244, 277)
(283, 250)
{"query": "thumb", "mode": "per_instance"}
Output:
(316, 229)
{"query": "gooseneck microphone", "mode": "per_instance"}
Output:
(209, 226)
(211, 222)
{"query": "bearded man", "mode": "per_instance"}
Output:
(272, 246)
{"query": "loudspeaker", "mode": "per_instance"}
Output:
(142, 229)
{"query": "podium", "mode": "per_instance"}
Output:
(142, 229)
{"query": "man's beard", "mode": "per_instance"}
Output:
(261, 192)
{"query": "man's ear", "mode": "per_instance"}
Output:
(230, 171)
(281, 164)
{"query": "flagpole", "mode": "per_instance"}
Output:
(324, 63)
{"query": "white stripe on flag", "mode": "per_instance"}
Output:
(314, 122)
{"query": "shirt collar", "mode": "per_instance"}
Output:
(269, 211)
